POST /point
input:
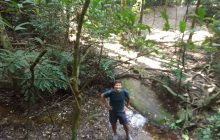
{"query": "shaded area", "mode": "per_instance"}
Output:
(15, 123)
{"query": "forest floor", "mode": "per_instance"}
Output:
(52, 120)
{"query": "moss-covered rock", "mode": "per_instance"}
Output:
(145, 101)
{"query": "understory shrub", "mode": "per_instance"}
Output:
(49, 74)
(210, 130)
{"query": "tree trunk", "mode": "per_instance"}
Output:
(189, 41)
(183, 49)
(193, 22)
(141, 16)
(75, 74)
(101, 52)
(216, 66)
(141, 12)
(76, 117)
(68, 24)
(5, 42)
(123, 4)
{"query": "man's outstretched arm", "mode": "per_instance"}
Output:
(127, 103)
(105, 102)
(127, 98)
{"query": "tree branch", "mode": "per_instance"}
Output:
(76, 61)
(34, 64)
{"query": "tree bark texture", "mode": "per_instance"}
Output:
(190, 35)
(141, 12)
(194, 21)
(75, 74)
(123, 4)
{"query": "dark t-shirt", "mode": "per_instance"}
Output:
(117, 99)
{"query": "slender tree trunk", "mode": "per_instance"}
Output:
(68, 24)
(141, 15)
(183, 49)
(166, 3)
(141, 12)
(75, 74)
(76, 117)
(4, 39)
(123, 4)
(193, 22)
(189, 41)
(101, 52)
(187, 10)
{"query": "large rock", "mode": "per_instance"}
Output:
(145, 100)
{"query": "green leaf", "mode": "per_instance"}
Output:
(4, 22)
(179, 121)
(192, 46)
(164, 15)
(28, 2)
(182, 26)
(143, 27)
(20, 5)
(48, 1)
(20, 26)
(39, 40)
(182, 114)
(185, 137)
(166, 26)
(201, 12)
(95, 3)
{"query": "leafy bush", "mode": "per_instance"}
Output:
(50, 74)
(49, 21)
(211, 131)
(107, 66)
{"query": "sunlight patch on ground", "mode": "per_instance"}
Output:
(150, 62)
(172, 36)
(168, 38)
(162, 36)
(175, 15)
(115, 50)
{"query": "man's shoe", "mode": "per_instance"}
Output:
(129, 137)
(115, 137)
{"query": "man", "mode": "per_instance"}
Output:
(118, 103)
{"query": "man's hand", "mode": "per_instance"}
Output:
(125, 108)
(105, 102)
(109, 107)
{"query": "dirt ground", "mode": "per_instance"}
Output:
(17, 122)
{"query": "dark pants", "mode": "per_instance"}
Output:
(114, 116)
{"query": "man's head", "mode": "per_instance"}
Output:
(117, 85)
